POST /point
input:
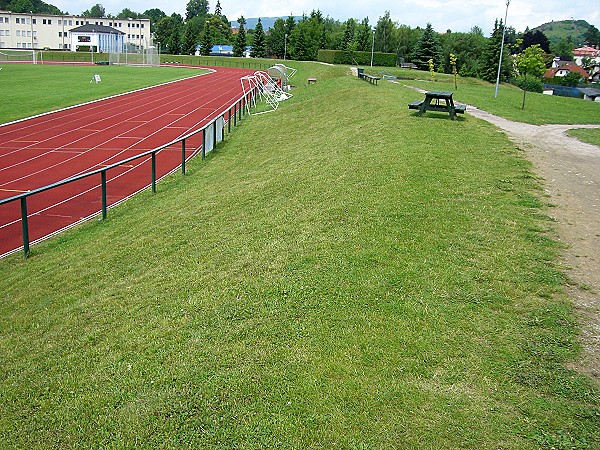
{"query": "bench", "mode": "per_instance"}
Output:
(312, 80)
(432, 103)
(370, 78)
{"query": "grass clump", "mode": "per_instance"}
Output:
(339, 273)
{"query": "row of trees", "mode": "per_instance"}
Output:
(475, 54)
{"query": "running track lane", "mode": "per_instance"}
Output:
(43, 150)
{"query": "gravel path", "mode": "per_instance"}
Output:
(571, 173)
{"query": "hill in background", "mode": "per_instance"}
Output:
(555, 31)
(267, 22)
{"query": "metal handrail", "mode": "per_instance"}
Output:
(238, 112)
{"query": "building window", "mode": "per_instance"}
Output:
(34, 21)
(70, 23)
(18, 32)
(60, 34)
(34, 33)
(18, 20)
(49, 21)
(1, 19)
(44, 21)
(28, 20)
(6, 32)
(1, 32)
(77, 22)
(66, 34)
(28, 33)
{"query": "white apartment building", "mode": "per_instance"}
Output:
(45, 31)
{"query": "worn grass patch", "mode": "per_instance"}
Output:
(339, 273)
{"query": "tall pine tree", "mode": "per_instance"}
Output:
(428, 47)
(239, 46)
(259, 43)
(491, 56)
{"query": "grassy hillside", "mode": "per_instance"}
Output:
(339, 274)
(562, 29)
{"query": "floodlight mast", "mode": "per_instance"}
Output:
(372, 48)
(501, 49)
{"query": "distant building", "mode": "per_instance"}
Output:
(223, 50)
(104, 39)
(46, 31)
(566, 69)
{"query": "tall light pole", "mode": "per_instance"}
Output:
(501, 49)
(372, 48)
(284, 46)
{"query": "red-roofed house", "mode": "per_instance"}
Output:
(566, 69)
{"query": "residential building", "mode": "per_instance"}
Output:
(45, 31)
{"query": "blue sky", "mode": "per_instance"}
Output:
(456, 15)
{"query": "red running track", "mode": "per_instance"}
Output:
(46, 149)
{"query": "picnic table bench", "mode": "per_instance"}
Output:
(432, 103)
(370, 78)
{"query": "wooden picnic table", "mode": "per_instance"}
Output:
(438, 101)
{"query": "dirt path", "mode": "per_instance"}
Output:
(571, 173)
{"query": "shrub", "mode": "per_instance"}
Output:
(530, 84)
(359, 58)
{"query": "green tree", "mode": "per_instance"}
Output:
(384, 34)
(218, 9)
(20, 6)
(196, 8)
(239, 46)
(406, 41)
(564, 48)
(491, 56)
(127, 13)
(427, 48)
(364, 36)
(191, 34)
(206, 44)
(95, 11)
(168, 33)
(276, 38)
(154, 14)
(592, 36)
(531, 63)
(259, 44)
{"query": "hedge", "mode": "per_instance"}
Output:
(358, 58)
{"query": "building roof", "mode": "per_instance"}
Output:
(590, 92)
(92, 28)
(570, 67)
(586, 51)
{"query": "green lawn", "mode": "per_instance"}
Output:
(591, 136)
(40, 88)
(339, 274)
(540, 109)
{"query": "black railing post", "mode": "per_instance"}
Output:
(229, 122)
(235, 114)
(153, 172)
(214, 134)
(203, 143)
(25, 226)
(183, 157)
(103, 178)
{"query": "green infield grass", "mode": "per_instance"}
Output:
(40, 88)
(338, 274)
